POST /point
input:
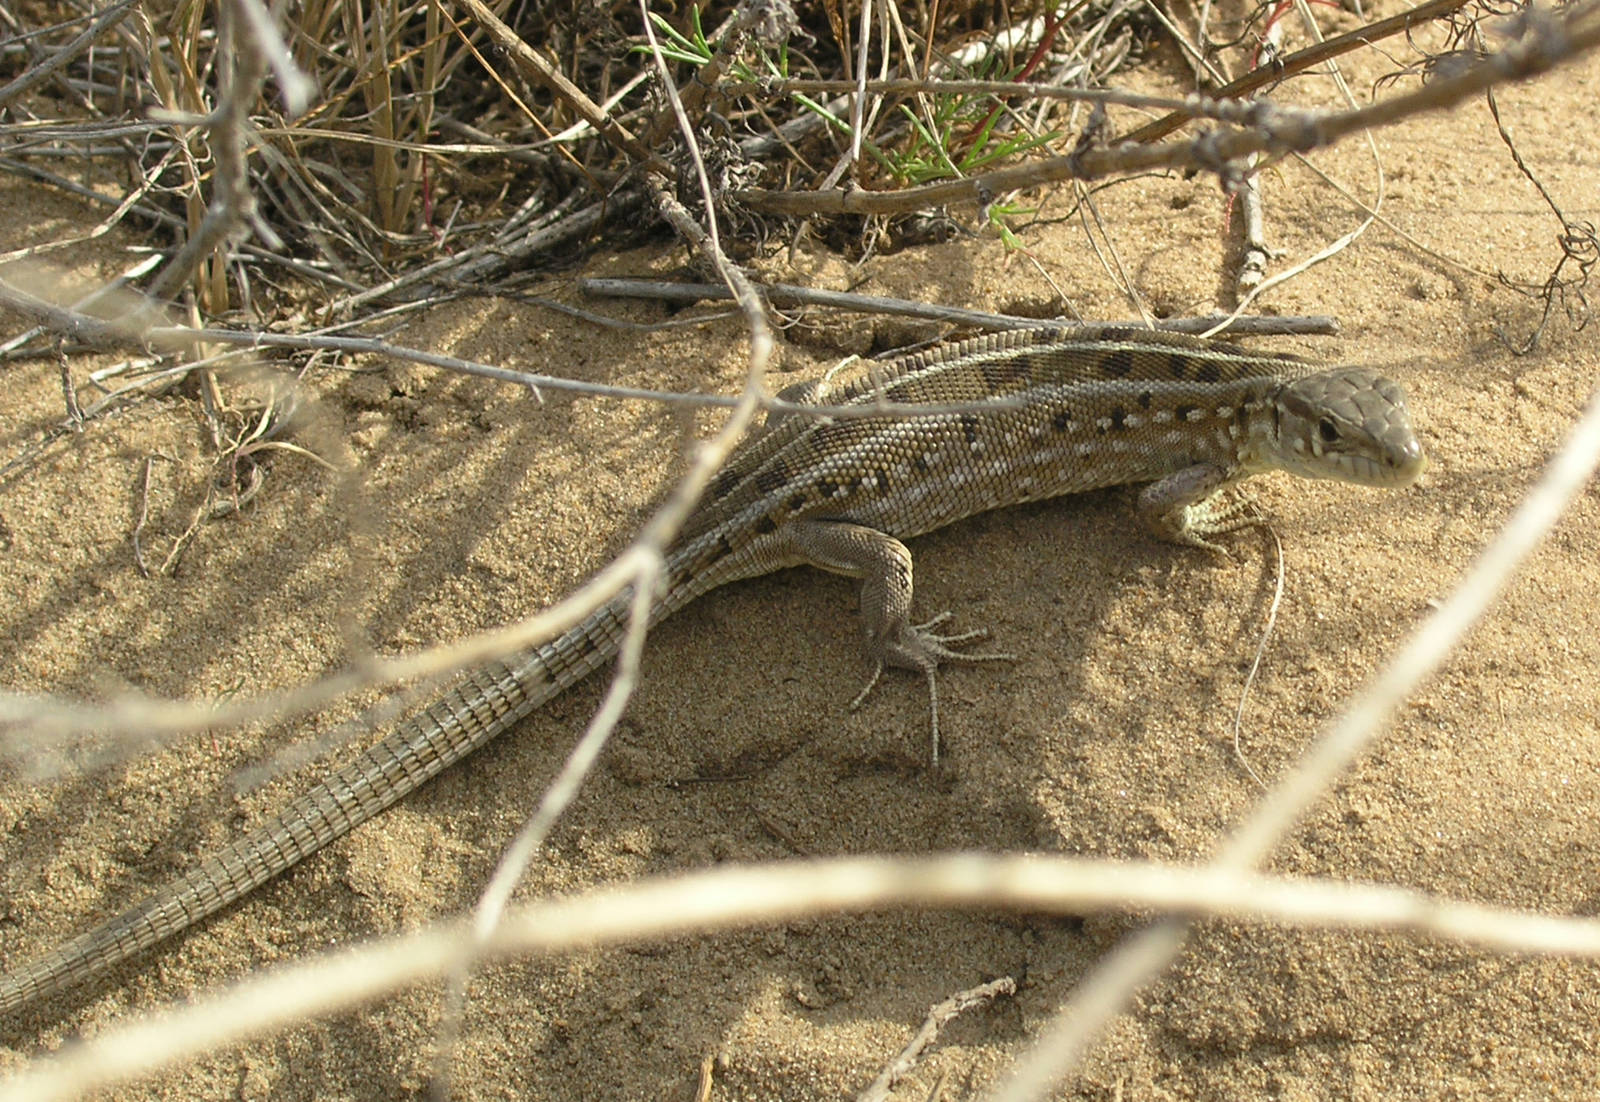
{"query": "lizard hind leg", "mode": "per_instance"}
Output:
(883, 564)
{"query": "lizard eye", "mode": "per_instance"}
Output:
(1328, 430)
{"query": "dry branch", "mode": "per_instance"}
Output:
(1546, 41)
(786, 294)
(1300, 61)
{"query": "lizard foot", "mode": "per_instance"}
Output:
(916, 647)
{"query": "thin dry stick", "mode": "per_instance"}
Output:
(477, 265)
(1255, 663)
(143, 514)
(1095, 232)
(902, 86)
(101, 293)
(35, 74)
(100, 333)
(939, 1015)
(1253, 251)
(1260, 286)
(131, 201)
(242, 73)
(1577, 241)
(513, 863)
(702, 1091)
(164, 218)
(788, 294)
(297, 89)
(765, 21)
(660, 533)
(1301, 60)
(1383, 220)
(1113, 982)
(564, 155)
(858, 101)
(558, 796)
(535, 67)
(1193, 54)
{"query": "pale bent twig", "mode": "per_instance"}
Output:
(733, 897)
(513, 863)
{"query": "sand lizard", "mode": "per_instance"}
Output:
(1077, 410)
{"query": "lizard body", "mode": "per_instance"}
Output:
(1023, 416)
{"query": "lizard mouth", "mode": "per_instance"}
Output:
(1397, 466)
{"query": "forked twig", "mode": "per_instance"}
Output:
(939, 1016)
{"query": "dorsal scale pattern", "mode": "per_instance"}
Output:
(1042, 401)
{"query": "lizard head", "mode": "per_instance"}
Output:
(1349, 423)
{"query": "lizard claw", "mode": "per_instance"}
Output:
(872, 683)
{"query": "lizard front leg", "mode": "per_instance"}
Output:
(1187, 507)
(883, 564)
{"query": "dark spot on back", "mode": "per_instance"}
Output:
(825, 487)
(883, 478)
(1000, 374)
(969, 428)
(1119, 418)
(771, 478)
(1177, 364)
(1060, 421)
(765, 524)
(1145, 398)
(723, 484)
(899, 392)
(1182, 412)
(920, 462)
(797, 502)
(1209, 373)
(1119, 363)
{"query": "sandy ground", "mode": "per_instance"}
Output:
(474, 504)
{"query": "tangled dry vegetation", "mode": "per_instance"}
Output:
(360, 159)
